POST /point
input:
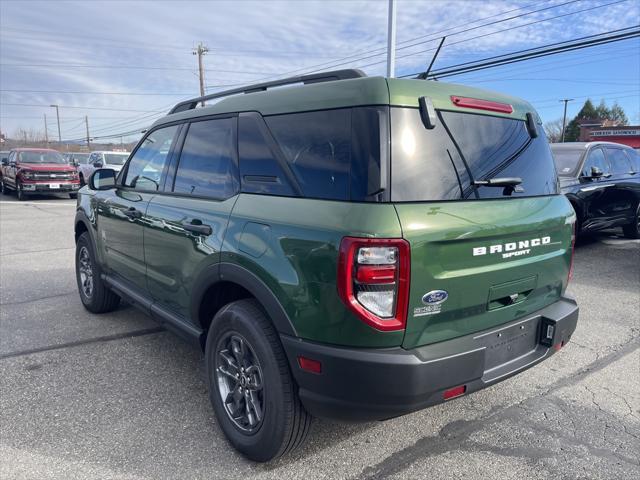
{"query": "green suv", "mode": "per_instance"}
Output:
(353, 247)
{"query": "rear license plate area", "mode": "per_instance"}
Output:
(505, 345)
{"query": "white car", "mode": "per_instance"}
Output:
(113, 160)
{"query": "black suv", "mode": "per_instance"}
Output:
(602, 182)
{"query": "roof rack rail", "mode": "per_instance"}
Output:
(261, 87)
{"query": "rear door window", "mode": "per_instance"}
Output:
(207, 165)
(619, 161)
(634, 160)
(260, 170)
(443, 163)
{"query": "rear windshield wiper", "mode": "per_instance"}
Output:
(498, 182)
(510, 184)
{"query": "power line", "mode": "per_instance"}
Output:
(327, 65)
(537, 52)
(494, 32)
(79, 107)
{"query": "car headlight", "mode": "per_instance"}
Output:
(27, 175)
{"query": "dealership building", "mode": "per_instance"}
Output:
(601, 132)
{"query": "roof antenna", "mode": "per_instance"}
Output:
(424, 75)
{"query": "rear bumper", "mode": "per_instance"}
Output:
(376, 384)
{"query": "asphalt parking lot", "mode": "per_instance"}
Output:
(113, 396)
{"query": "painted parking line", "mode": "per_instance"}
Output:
(38, 204)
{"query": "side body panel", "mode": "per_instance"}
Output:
(120, 220)
(175, 255)
(292, 245)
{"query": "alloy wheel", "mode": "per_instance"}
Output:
(239, 379)
(86, 272)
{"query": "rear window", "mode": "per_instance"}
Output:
(567, 160)
(443, 163)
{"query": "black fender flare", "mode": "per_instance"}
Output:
(81, 217)
(233, 273)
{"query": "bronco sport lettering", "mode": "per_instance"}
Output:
(512, 249)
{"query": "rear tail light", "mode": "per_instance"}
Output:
(373, 280)
(480, 104)
(573, 251)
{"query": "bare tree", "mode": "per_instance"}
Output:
(553, 130)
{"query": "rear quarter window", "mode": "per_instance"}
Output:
(339, 154)
(317, 146)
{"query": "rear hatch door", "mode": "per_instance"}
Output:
(481, 255)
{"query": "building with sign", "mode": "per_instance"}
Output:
(592, 131)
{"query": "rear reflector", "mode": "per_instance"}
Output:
(454, 392)
(479, 104)
(309, 365)
(376, 274)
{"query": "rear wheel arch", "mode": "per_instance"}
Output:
(224, 283)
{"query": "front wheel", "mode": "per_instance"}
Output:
(251, 389)
(632, 230)
(94, 293)
(73, 196)
(20, 193)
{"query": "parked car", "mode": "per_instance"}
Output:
(76, 158)
(268, 229)
(32, 171)
(113, 160)
(602, 182)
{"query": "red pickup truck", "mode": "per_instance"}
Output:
(31, 171)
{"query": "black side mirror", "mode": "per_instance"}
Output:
(97, 164)
(5, 161)
(596, 172)
(102, 179)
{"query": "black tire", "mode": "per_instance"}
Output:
(73, 196)
(82, 182)
(99, 298)
(632, 230)
(20, 193)
(3, 189)
(285, 423)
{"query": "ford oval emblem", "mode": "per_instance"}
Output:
(435, 297)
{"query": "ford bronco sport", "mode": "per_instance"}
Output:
(354, 248)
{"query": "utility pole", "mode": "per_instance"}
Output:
(391, 40)
(564, 116)
(201, 50)
(58, 117)
(46, 131)
(86, 122)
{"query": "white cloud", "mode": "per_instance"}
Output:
(248, 40)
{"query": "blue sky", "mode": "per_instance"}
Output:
(125, 63)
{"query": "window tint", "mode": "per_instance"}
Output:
(43, 156)
(634, 160)
(317, 147)
(619, 161)
(259, 168)
(595, 159)
(145, 168)
(567, 159)
(440, 164)
(206, 166)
